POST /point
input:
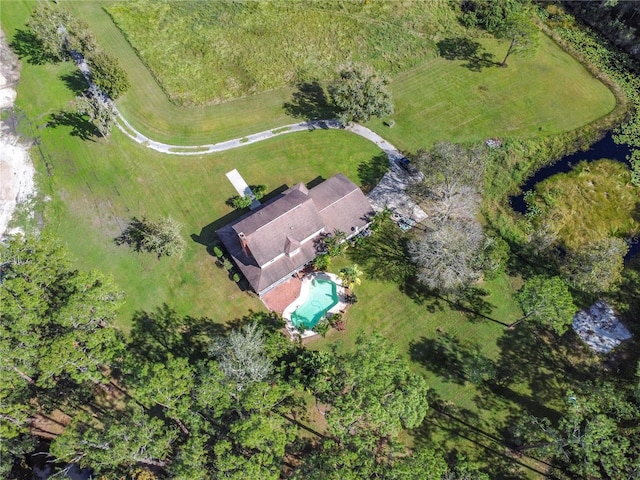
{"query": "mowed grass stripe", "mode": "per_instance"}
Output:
(100, 186)
(435, 101)
(442, 100)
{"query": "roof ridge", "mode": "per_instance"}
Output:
(320, 210)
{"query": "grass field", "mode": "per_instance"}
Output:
(444, 100)
(209, 52)
(96, 186)
(436, 100)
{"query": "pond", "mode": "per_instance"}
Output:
(605, 148)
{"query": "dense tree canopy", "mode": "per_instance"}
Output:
(116, 443)
(107, 74)
(447, 166)
(51, 27)
(596, 266)
(446, 256)
(101, 111)
(453, 251)
(55, 332)
(548, 302)
(597, 436)
(370, 390)
(62, 36)
(55, 321)
(508, 19)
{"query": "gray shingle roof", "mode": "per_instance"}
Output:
(279, 237)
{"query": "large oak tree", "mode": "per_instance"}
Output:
(359, 93)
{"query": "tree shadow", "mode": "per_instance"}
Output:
(530, 404)
(80, 126)
(543, 363)
(309, 102)
(75, 82)
(383, 255)
(270, 322)
(452, 360)
(527, 262)
(455, 424)
(461, 48)
(372, 171)
(158, 334)
(134, 235)
(28, 47)
(471, 302)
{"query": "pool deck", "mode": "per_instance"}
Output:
(283, 295)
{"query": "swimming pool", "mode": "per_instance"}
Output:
(321, 297)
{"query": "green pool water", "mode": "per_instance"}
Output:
(323, 295)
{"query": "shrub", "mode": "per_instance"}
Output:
(351, 298)
(322, 262)
(334, 319)
(226, 263)
(217, 251)
(258, 191)
(236, 277)
(322, 327)
(239, 202)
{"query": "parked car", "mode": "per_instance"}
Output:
(406, 165)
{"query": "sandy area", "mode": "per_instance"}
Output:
(16, 168)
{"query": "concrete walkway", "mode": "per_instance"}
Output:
(138, 137)
(242, 188)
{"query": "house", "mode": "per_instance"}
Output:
(277, 239)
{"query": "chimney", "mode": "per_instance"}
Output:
(243, 243)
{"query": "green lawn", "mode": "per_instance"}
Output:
(443, 100)
(436, 100)
(97, 186)
(97, 195)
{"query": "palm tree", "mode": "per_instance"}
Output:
(350, 276)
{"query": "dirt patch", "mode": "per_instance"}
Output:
(51, 425)
(16, 168)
